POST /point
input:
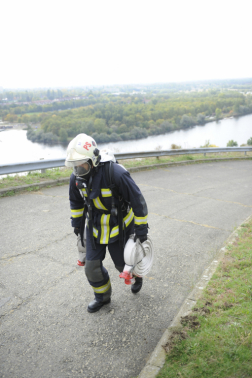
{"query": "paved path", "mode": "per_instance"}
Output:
(45, 328)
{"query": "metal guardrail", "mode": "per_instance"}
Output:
(135, 155)
(54, 163)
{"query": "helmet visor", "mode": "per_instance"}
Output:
(71, 163)
(82, 170)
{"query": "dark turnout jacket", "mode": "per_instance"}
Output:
(105, 225)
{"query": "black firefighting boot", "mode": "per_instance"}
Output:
(96, 306)
(136, 287)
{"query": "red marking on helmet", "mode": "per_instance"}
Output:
(87, 146)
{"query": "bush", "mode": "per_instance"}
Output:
(232, 143)
(137, 133)
(201, 119)
(125, 136)
(101, 138)
(187, 121)
(41, 137)
(206, 145)
(51, 138)
(217, 113)
(115, 137)
(175, 147)
(249, 142)
(166, 126)
(62, 134)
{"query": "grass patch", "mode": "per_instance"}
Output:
(8, 194)
(170, 159)
(215, 340)
(34, 177)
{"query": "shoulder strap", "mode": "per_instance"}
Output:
(109, 173)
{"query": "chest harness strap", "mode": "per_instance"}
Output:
(90, 212)
(109, 172)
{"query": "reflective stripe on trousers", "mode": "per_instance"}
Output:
(96, 273)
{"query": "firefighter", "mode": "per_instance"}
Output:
(101, 218)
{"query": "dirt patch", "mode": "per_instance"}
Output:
(226, 306)
(227, 263)
(191, 321)
(174, 338)
(203, 310)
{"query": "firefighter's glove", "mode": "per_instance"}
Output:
(81, 251)
(142, 238)
(76, 231)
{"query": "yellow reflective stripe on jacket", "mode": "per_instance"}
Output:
(105, 228)
(114, 232)
(141, 220)
(128, 217)
(76, 213)
(84, 191)
(98, 204)
(95, 232)
(102, 289)
(106, 193)
(126, 220)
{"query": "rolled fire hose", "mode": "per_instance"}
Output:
(138, 259)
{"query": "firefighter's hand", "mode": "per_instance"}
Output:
(76, 231)
(81, 252)
(142, 238)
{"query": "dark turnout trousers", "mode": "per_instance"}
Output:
(97, 275)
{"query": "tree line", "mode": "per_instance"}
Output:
(112, 119)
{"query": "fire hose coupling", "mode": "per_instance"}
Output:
(128, 278)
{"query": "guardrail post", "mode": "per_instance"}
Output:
(245, 153)
(204, 153)
(43, 170)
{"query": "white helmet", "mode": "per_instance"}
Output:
(79, 151)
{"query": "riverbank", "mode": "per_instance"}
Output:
(12, 126)
(37, 135)
(213, 133)
(33, 181)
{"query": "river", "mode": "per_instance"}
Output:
(14, 146)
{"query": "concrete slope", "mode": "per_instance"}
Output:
(46, 330)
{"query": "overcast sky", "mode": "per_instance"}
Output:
(60, 43)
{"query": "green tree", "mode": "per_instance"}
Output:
(200, 118)
(187, 121)
(11, 118)
(217, 113)
(232, 143)
(236, 109)
(63, 135)
(249, 141)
